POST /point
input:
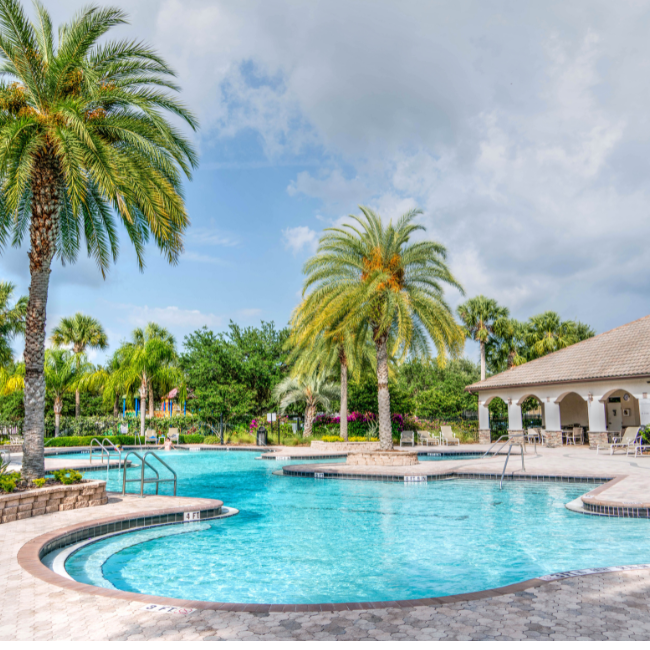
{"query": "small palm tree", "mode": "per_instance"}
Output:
(12, 320)
(140, 362)
(479, 315)
(140, 337)
(63, 371)
(84, 137)
(369, 281)
(508, 345)
(313, 390)
(82, 332)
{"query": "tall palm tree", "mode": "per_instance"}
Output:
(508, 345)
(82, 332)
(84, 143)
(479, 315)
(312, 390)
(371, 281)
(140, 362)
(12, 320)
(548, 333)
(140, 337)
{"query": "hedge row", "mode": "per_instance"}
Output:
(84, 441)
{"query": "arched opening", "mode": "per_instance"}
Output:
(498, 417)
(622, 410)
(574, 412)
(532, 411)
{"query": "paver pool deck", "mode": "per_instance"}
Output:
(611, 606)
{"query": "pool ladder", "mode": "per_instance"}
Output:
(143, 464)
(516, 440)
(104, 449)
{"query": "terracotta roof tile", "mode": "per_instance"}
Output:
(621, 352)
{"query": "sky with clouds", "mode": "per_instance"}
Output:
(520, 128)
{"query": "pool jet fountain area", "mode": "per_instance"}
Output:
(327, 541)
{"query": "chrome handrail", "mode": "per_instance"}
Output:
(514, 442)
(160, 460)
(142, 480)
(496, 442)
(103, 448)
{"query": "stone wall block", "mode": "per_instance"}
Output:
(24, 515)
(49, 509)
(25, 507)
(38, 511)
(66, 506)
(8, 518)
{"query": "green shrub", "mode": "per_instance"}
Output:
(67, 476)
(332, 439)
(84, 441)
(8, 481)
(39, 482)
(211, 440)
(362, 439)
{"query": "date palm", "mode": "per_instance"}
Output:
(479, 315)
(82, 332)
(85, 144)
(372, 282)
(312, 390)
(12, 320)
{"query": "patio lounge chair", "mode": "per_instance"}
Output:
(428, 438)
(172, 434)
(150, 436)
(626, 442)
(447, 436)
(407, 437)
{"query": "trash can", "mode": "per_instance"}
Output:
(261, 437)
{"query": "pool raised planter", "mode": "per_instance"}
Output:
(41, 501)
(383, 458)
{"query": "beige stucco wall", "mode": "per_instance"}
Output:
(573, 410)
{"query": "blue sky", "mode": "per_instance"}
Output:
(520, 129)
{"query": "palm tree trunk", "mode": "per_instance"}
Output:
(77, 404)
(383, 396)
(151, 404)
(344, 400)
(116, 411)
(58, 407)
(43, 234)
(482, 360)
(143, 406)
(310, 412)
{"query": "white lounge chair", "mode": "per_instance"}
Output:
(626, 442)
(407, 437)
(172, 434)
(124, 429)
(447, 436)
(428, 438)
(150, 436)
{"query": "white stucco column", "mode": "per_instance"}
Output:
(597, 421)
(552, 420)
(514, 416)
(644, 409)
(483, 423)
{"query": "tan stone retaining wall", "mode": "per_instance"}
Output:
(22, 505)
(345, 446)
(386, 458)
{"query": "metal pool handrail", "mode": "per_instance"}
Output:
(142, 480)
(496, 442)
(513, 442)
(108, 453)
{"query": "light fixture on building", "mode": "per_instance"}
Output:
(626, 397)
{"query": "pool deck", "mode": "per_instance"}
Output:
(614, 605)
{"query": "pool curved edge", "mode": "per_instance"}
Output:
(29, 559)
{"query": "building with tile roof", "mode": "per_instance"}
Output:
(600, 385)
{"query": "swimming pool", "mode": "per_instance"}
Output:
(327, 541)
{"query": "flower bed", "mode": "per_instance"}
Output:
(39, 501)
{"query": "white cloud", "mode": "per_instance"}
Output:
(333, 188)
(191, 256)
(171, 317)
(249, 313)
(300, 237)
(211, 236)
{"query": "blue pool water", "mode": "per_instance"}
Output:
(299, 540)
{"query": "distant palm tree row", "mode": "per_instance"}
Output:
(506, 342)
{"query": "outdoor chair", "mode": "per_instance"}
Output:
(576, 435)
(15, 440)
(533, 435)
(124, 429)
(428, 438)
(150, 436)
(407, 437)
(172, 434)
(626, 442)
(448, 437)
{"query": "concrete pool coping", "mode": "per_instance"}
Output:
(30, 554)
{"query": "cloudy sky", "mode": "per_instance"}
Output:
(522, 130)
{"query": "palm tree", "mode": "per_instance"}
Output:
(62, 370)
(12, 320)
(140, 362)
(312, 390)
(367, 279)
(507, 348)
(84, 138)
(81, 332)
(548, 333)
(154, 331)
(479, 315)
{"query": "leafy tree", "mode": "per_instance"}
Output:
(83, 138)
(82, 332)
(371, 282)
(507, 348)
(479, 315)
(307, 390)
(363, 396)
(12, 320)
